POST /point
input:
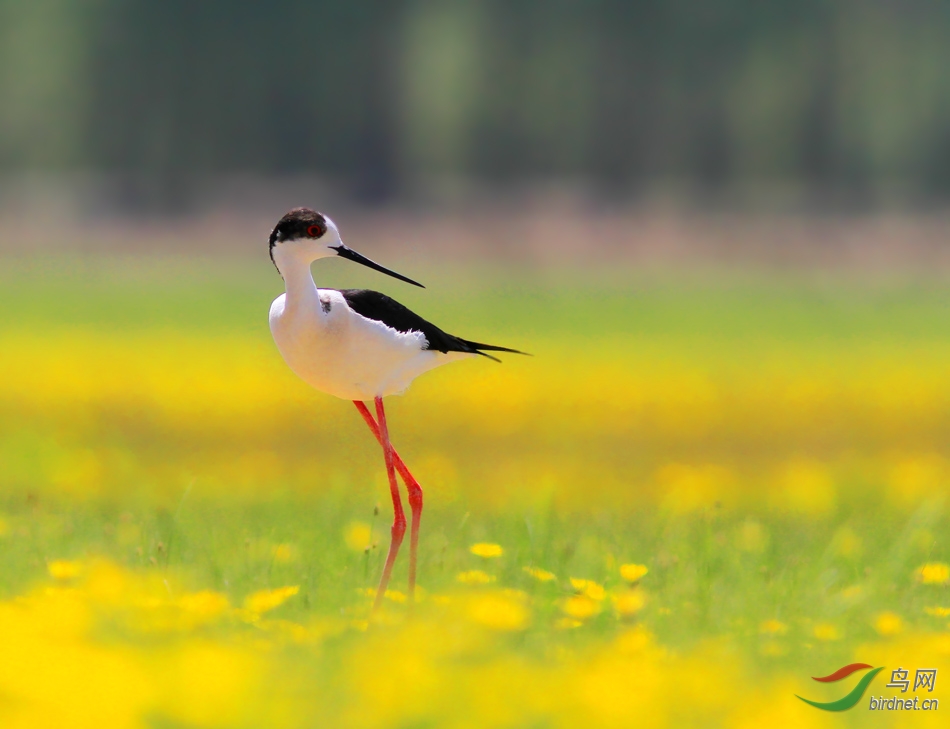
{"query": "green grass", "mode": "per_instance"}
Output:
(204, 294)
(702, 583)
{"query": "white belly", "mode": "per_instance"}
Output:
(344, 354)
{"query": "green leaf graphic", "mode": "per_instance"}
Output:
(846, 702)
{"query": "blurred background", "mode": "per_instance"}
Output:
(673, 126)
(721, 228)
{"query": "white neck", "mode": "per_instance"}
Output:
(295, 269)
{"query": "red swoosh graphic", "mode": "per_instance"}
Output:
(842, 672)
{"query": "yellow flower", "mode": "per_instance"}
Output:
(108, 582)
(486, 549)
(630, 602)
(934, 573)
(393, 595)
(205, 605)
(567, 623)
(358, 536)
(589, 588)
(64, 569)
(633, 572)
(852, 594)
(826, 632)
(197, 609)
(539, 574)
(937, 612)
(773, 649)
(888, 624)
(284, 553)
(498, 612)
(264, 600)
(773, 627)
(635, 641)
(580, 607)
(474, 577)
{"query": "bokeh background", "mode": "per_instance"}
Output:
(834, 105)
(720, 228)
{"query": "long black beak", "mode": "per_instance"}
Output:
(342, 250)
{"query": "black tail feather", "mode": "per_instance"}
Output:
(477, 348)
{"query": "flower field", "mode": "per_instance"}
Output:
(701, 491)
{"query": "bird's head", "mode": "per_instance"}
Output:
(306, 235)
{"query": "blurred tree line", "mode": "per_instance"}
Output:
(832, 97)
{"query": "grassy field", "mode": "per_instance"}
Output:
(706, 488)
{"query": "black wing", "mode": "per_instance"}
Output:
(377, 306)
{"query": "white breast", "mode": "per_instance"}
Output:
(340, 352)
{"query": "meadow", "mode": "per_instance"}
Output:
(703, 488)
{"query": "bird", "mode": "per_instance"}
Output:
(358, 345)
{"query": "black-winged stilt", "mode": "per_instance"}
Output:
(358, 345)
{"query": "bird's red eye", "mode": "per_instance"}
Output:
(315, 231)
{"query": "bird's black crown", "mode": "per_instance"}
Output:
(295, 224)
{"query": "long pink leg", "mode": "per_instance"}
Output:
(399, 520)
(415, 495)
